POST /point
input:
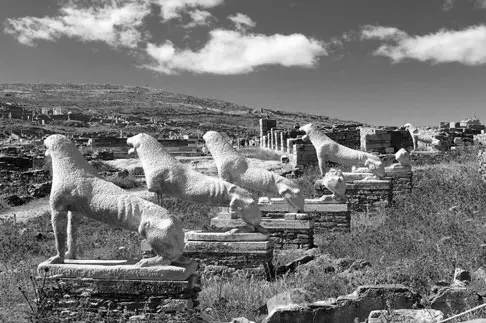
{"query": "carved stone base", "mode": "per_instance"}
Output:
(287, 230)
(94, 289)
(328, 215)
(218, 251)
(364, 194)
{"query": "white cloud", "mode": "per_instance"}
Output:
(119, 23)
(232, 52)
(199, 18)
(242, 21)
(172, 9)
(115, 23)
(382, 33)
(467, 46)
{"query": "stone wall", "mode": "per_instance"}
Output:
(327, 216)
(303, 153)
(384, 141)
(364, 195)
(119, 299)
(293, 231)
(240, 251)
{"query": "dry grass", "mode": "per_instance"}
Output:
(418, 242)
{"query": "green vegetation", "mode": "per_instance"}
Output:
(417, 242)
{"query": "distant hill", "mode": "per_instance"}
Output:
(177, 112)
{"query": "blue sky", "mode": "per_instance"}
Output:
(376, 61)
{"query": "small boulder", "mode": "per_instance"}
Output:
(296, 297)
(405, 315)
(241, 320)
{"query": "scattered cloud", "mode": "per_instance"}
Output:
(234, 52)
(467, 46)
(199, 18)
(119, 23)
(172, 9)
(382, 33)
(242, 22)
(115, 23)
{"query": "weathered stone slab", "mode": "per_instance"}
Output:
(228, 247)
(350, 176)
(199, 235)
(119, 269)
(405, 316)
(124, 288)
(310, 205)
(398, 170)
(298, 216)
(269, 224)
(369, 184)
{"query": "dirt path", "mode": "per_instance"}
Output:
(40, 206)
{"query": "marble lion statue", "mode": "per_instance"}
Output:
(329, 150)
(166, 175)
(77, 190)
(233, 167)
(334, 181)
(402, 157)
(418, 135)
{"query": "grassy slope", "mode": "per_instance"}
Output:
(418, 242)
(182, 112)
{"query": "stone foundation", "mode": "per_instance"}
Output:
(291, 231)
(364, 195)
(328, 216)
(117, 289)
(252, 252)
(400, 177)
(402, 180)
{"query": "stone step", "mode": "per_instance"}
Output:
(110, 269)
(228, 247)
(199, 235)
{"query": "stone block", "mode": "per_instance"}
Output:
(405, 316)
(120, 269)
(345, 309)
(199, 235)
(296, 298)
(228, 247)
(79, 297)
(451, 300)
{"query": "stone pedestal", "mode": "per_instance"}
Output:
(117, 289)
(287, 230)
(402, 178)
(364, 195)
(328, 216)
(218, 251)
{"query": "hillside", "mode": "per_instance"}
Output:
(181, 113)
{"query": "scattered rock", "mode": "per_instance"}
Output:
(451, 300)
(321, 263)
(296, 297)
(478, 280)
(405, 315)
(241, 320)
